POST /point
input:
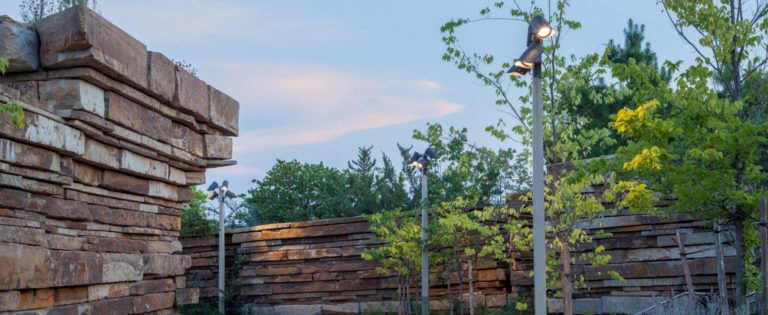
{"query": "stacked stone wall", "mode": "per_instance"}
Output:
(315, 267)
(92, 185)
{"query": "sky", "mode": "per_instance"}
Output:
(318, 79)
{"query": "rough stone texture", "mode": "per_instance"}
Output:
(218, 147)
(72, 94)
(191, 95)
(18, 43)
(78, 36)
(92, 187)
(162, 77)
(224, 111)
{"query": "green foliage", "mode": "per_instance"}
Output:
(14, 112)
(194, 220)
(32, 11)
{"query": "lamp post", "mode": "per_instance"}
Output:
(538, 31)
(421, 161)
(221, 192)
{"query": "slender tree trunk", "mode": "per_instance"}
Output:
(450, 294)
(471, 288)
(721, 281)
(740, 297)
(763, 257)
(686, 269)
(565, 277)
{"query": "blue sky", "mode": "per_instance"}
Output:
(318, 79)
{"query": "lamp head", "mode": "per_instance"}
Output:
(225, 185)
(213, 186)
(414, 160)
(212, 196)
(531, 56)
(516, 71)
(229, 194)
(431, 154)
(540, 28)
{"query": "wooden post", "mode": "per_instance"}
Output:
(763, 257)
(720, 269)
(686, 270)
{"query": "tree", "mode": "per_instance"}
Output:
(194, 220)
(295, 191)
(12, 111)
(705, 151)
(32, 11)
(570, 133)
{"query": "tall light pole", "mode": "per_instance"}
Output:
(421, 161)
(538, 31)
(221, 192)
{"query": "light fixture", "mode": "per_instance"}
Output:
(225, 185)
(431, 154)
(212, 195)
(414, 160)
(540, 28)
(516, 71)
(213, 186)
(531, 56)
(230, 194)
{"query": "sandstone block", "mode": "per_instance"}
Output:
(70, 295)
(86, 174)
(138, 118)
(102, 154)
(164, 265)
(152, 286)
(9, 300)
(186, 139)
(72, 94)
(18, 43)
(153, 302)
(22, 235)
(123, 305)
(177, 176)
(163, 190)
(218, 147)
(224, 111)
(145, 166)
(191, 95)
(196, 178)
(122, 267)
(26, 155)
(46, 132)
(108, 291)
(187, 296)
(80, 37)
(162, 77)
(77, 268)
(124, 182)
(33, 299)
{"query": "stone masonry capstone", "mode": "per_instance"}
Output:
(91, 188)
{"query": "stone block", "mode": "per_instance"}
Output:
(45, 132)
(187, 139)
(124, 182)
(142, 165)
(152, 286)
(72, 94)
(224, 112)
(26, 155)
(218, 147)
(153, 302)
(122, 267)
(138, 118)
(18, 43)
(164, 265)
(33, 299)
(108, 291)
(77, 268)
(80, 37)
(186, 296)
(9, 300)
(70, 295)
(163, 190)
(123, 305)
(22, 235)
(102, 154)
(191, 95)
(86, 174)
(196, 178)
(298, 309)
(162, 77)
(342, 308)
(177, 176)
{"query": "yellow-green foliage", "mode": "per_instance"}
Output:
(13, 111)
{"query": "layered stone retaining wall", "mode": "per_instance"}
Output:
(315, 267)
(92, 186)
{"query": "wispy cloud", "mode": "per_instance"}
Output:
(195, 21)
(319, 104)
(240, 170)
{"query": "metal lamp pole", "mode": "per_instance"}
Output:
(424, 257)
(539, 237)
(221, 253)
